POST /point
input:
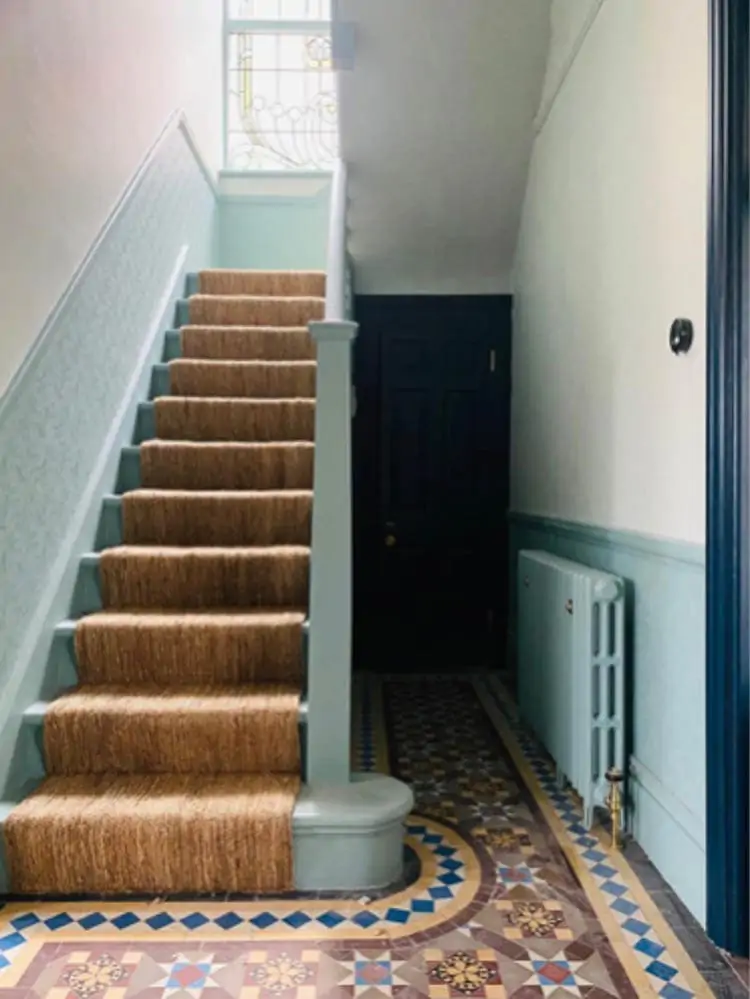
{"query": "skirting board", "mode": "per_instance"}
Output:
(665, 677)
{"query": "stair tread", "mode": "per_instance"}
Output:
(190, 698)
(120, 797)
(158, 442)
(261, 271)
(227, 495)
(197, 618)
(218, 363)
(234, 400)
(254, 298)
(207, 551)
(224, 328)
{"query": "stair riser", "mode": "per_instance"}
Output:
(195, 529)
(195, 744)
(287, 384)
(63, 666)
(88, 595)
(129, 476)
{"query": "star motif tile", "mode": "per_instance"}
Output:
(187, 976)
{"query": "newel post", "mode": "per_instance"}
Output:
(330, 637)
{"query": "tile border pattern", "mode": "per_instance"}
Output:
(645, 942)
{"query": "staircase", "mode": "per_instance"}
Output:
(174, 764)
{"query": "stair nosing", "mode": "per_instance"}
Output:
(34, 715)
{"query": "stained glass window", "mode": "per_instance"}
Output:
(282, 110)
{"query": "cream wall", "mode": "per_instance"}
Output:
(608, 426)
(85, 88)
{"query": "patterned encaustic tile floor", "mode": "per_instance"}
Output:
(510, 895)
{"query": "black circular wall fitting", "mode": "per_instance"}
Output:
(681, 335)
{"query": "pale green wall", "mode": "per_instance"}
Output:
(274, 231)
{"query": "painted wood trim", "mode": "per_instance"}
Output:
(336, 292)
(632, 541)
(692, 824)
(728, 481)
(329, 664)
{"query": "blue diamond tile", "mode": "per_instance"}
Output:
(585, 840)
(661, 970)
(596, 855)
(124, 920)
(450, 879)
(331, 919)
(649, 947)
(440, 893)
(297, 919)
(57, 922)
(11, 940)
(432, 839)
(422, 905)
(416, 830)
(4, 962)
(365, 919)
(672, 991)
(636, 926)
(579, 830)
(263, 921)
(445, 851)
(398, 915)
(451, 865)
(612, 888)
(24, 921)
(91, 921)
(159, 921)
(626, 908)
(194, 921)
(603, 870)
(229, 920)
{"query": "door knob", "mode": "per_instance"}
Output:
(390, 540)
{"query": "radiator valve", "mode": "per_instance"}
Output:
(615, 778)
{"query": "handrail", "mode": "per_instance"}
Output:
(336, 265)
(329, 652)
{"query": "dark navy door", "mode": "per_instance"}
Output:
(431, 480)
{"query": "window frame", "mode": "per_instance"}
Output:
(279, 26)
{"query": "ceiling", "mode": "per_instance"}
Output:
(436, 126)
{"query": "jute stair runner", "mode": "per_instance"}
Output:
(175, 764)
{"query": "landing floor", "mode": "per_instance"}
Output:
(509, 896)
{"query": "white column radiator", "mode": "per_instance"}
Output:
(571, 689)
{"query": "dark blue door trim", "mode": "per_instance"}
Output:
(728, 497)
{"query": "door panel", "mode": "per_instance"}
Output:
(429, 537)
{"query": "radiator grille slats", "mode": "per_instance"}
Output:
(571, 668)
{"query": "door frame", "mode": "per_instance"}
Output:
(728, 480)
